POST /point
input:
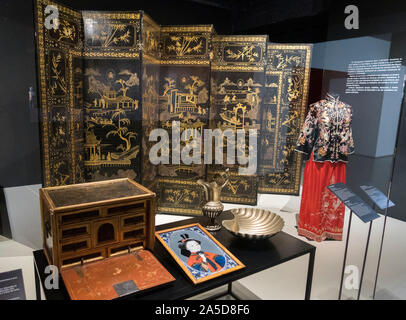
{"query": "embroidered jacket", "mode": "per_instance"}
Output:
(327, 131)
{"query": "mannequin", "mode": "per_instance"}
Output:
(327, 140)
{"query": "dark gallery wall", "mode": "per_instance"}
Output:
(19, 143)
(397, 192)
(166, 12)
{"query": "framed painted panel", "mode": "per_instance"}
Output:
(198, 253)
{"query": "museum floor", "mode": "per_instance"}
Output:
(286, 281)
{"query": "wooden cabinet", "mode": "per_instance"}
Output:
(92, 221)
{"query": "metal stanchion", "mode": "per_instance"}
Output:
(379, 258)
(365, 258)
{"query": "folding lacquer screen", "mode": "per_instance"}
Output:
(107, 79)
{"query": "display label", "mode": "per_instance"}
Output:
(380, 75)
(361, 209)
(378, 197)
(12, 285)
(126, 288)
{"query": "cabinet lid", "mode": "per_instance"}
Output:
(116, 277)
(95, 193)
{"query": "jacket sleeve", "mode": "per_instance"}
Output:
(308, 135)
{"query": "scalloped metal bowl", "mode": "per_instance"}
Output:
(254, 223)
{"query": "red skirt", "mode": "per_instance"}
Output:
(321, 212)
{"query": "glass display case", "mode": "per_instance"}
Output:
(291, 101)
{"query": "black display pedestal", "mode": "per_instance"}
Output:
(257, 256)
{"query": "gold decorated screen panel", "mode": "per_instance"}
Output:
(90, 84)
(62, 142)
(237, 88)
(184, 103)
(112, 95)
(285, 100)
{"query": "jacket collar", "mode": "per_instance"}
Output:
(332, 97)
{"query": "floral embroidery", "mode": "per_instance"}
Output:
(321, 212)
(322, 151)
(327, 131)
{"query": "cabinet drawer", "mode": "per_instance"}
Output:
(125, 248)
(132, 221)
(85, 257)
(78, 216)
(133, 234)
(128, 209)
(74, 231)
(72, 247)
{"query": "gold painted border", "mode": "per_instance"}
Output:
(242, 38)
(239, 200)
(189, 63)
(91, 54)
(42, 80)
(111, 15)
(195, 28)
(239, 266)
(167, 180)
(240, 68)
(71, 107)
(188, 212)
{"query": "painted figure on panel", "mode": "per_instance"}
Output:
(198, 253)
(198, 259)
